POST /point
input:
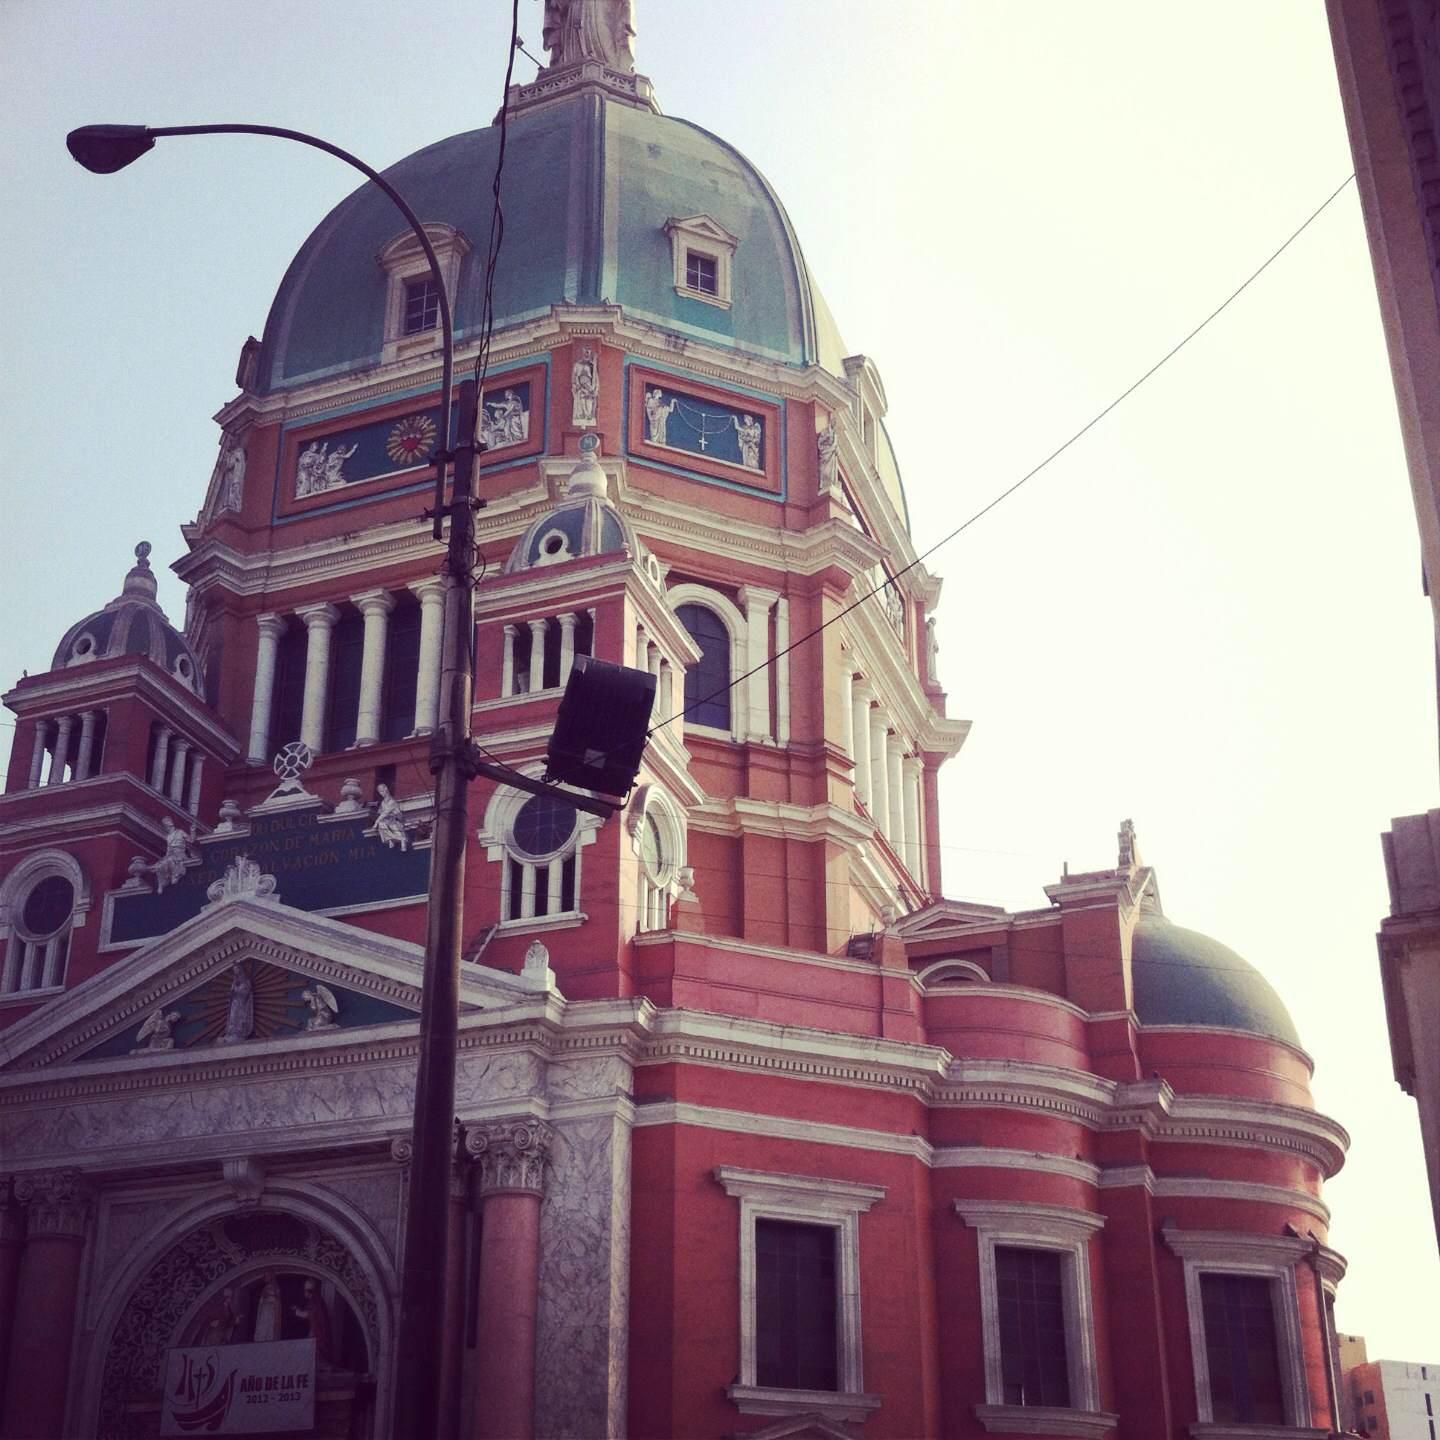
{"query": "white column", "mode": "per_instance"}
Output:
(860, 697)
(14, 955)
(431, 593)
(894, 751)
(665, 690)
(30, 954)
(192, 801)
(912, 769)
(642, 647)
(847, 706)
(37, 753)
(54, 951)
(554, 876)
(177, 769)
(652, 664)
(87, 745)
(162, 759)
(879, 771)
(757, 603)
(527, 891)
(782, 671)
(507, 662)
(62, 748)
(537, 656)
(272, 627)
(568, 623)
(375, 606)
(319, 629)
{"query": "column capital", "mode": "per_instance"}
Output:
(321, 616)
(912, 765)
(57, 1202)
(270, 624)
(754, 596)
(509, 1155)
(379, 601)
(429, 590)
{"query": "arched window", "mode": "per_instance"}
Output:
(44, 898)
(537, 840)
(707, 684)
(657, 836)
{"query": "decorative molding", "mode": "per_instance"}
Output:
(778, 1127)
(824, 1404)
(1045, 1420)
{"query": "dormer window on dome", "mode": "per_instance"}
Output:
(412, 303)
(422, 305)
(702, 251)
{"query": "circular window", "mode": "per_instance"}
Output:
(543, 826)
(652, 849)
(183, 666)
(84, 645)
(47, 907)
(554, 544)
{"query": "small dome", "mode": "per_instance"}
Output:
(1185, 978)
(584, 523)
(132, 624)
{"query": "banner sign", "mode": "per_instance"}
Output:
(239, 1389)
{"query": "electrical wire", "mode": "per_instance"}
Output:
(1030, 474)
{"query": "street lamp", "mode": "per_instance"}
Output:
(105, 149)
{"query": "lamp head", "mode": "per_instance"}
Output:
(104, 149)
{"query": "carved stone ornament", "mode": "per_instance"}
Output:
(510, 1155)
(57, 1202)
(242, 880)
(827, 446)
(291, 761)
(12, 1217)
(402, 1149)
(246, 1177)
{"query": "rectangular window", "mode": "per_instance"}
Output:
(701, 273)
(795, 1306)
(1031, 1295)
(347, 654)
(1240, 1345)
(289, 701)
(422, 306)
(402, 668)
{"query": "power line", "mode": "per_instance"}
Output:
(1029, 475)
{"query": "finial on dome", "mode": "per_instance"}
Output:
(140, 581)
(587, 478)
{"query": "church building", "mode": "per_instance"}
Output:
(757, 1134)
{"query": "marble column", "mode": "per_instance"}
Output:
(162, 759)
(912, 768)
(652, 664)
(37, 753)
(12, 1241)
(894, 752)
(507, 661)
(757, 603)
(58, 760)
(375, 606)
(192, 800)
(860, 698)
(271, 628)
(568, 623)
(782, 671)
(665, 691)
(879, 771)
(177, 770)
(319, 630)
(87, 744)
(510, 1164)
(431, 593)
(57, 1207)
(537, 656)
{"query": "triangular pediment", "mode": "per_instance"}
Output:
(802, 1427)
(702, 227)
(950, 917)
(356, 980)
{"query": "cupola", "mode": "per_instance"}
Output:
(585, 523)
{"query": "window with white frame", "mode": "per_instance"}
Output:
(1240, 1296)
(703, 252)
(1037, 1318)
(721, 633)
(42, 901)
(657, 837)
(799, 1244)
(412, 301)
(536, 840)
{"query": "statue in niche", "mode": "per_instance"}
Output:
(240, 1012)
(313, 1311)
(657, 416)
(584, 388)
(267, 1310)
(156, 1031)
(603, 30)
(169, 869)
(932, 652)
(234, 471)
(827, 446)
(749, 435)
(222, 1319)
(390, 820)
(324, 1007)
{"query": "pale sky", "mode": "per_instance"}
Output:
(1206, 616)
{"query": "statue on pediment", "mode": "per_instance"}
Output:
(155, 1032)
(240, 1011)
(603, 30)
(324, 1007)
(390, 820)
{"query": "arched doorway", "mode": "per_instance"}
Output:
(248, 1277)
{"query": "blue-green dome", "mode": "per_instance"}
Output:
(1185, 978)
(589, 184)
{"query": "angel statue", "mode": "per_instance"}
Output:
(156, 1031)
(169, 869)
(324, 1007)
(390, 820)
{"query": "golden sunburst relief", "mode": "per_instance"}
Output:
(411, 440)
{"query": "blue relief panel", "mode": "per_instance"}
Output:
(283, 1002)
(703, 427)
(317, 865)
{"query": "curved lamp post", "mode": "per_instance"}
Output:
(105, 149)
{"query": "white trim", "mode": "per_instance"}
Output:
(1045, 1420)
(811, 1200)
(779, 1127)
(402, 261)
(1271, 1257)
(1058, 1229)
(654, 892)
(710, 239)
(736, 626)
(948, 969)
